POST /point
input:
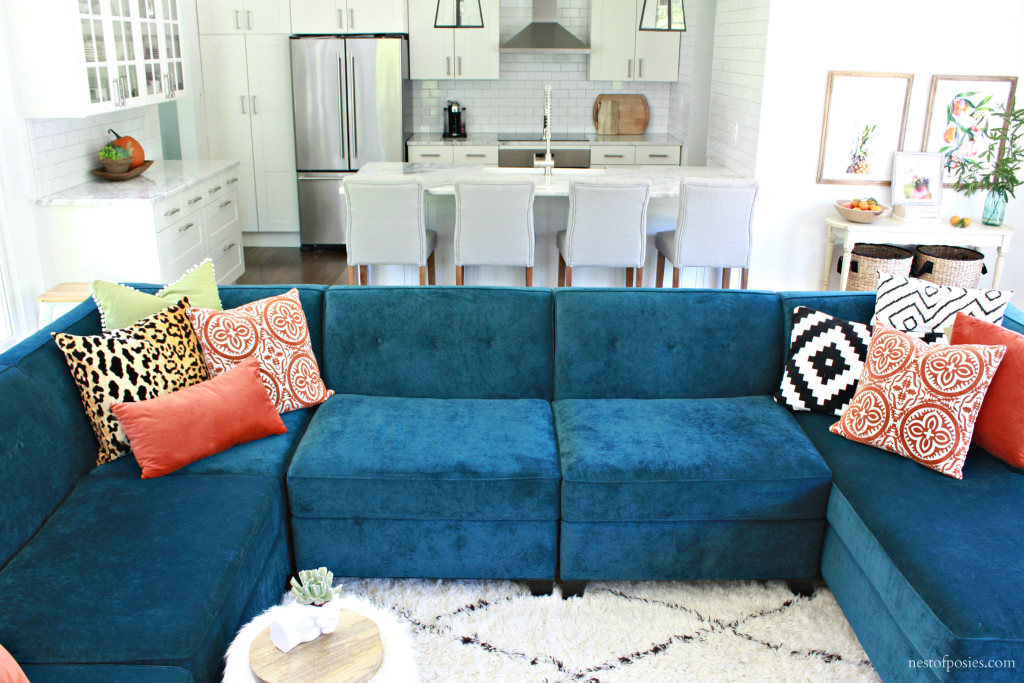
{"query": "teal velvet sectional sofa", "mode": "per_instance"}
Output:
(497, 433)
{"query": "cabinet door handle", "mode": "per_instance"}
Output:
(229, 246)
(214, 189)
(231, 181)
(254, 111)
(186, 227)
(481, 156)
(244, 112)
(195, 200)
(460, 64)
(238, 20)
(341, 18)
(115, 92)
(355, 110)
(226, 204)
(629, 68)
(448, 66)
(167, 214)
(124, 90)
(248, 18)
(612, 156)
(640, 73)
(430, 155)
(351, 20)
(658, 156)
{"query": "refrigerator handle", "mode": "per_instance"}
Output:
(355, 110)
(342, 99)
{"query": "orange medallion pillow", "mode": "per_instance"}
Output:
(1000, 426)
(171, 431)
(920, 401)
(275, 332)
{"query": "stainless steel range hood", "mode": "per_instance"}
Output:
(545, 34)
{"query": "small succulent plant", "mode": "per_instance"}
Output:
(114, 152)
(313, 587)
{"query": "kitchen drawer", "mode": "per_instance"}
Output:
(181, 246)
(654, 156)
(438, 154)
(475, 154)
(169, 211)
(221, 217)
(228, 259)
(193, 199)
(608, 155)
(215, 188)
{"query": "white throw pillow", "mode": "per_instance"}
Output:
(910, 304)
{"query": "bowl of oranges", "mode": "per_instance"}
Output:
(862, 210)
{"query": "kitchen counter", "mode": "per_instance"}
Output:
(161, 180)
(491, 139)
(438, 179)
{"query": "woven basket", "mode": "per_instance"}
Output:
(949, 266)
(869, 259)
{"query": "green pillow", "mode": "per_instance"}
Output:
(121, 306)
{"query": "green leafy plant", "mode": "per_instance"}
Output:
(994, 173)
(114, 152)
(313, 587)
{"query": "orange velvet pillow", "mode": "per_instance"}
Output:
(1000, 426)
(170, 431)
(10, 672)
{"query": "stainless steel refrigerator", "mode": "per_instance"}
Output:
(350, 110)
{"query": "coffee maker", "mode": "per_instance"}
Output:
(454, 121)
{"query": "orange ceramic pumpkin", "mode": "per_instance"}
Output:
(138, 154)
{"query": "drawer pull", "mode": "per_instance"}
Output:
(229, 247)
(430, 155)
(612, 156)
(171, 212)
(232, 181)
(477, 156)
(186, 227)
(225, 204)
(658, 156)
(195, 200)
(216, 188)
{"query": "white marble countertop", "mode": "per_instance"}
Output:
(491, 139)
(438, 179)
(161, 180)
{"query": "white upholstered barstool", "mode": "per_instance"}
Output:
(713, 229)
(386, 226)
(493, 225)
(607, 227)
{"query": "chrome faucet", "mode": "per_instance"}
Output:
(548, 163)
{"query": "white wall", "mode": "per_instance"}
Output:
(741, 32)
(690, 97)
(805, 40)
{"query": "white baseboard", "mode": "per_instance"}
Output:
(270, 239)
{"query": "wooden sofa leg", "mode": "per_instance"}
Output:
(659, 274)
(540, 586)
(572, 589)
(804, 587)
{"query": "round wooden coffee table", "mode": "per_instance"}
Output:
(351, 654)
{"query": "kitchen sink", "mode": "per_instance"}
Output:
(540, 171)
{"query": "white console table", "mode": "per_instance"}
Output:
(892, 231)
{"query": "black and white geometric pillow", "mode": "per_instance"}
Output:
(826, 357)
(910, 304)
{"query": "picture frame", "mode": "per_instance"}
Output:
(959, 115)
(864, 124)
(917, 178)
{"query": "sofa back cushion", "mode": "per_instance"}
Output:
(46, 442)
(439, 342)
(615, 343)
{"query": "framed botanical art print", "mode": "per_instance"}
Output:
(917, 179)
(864, 124)
(961, 116)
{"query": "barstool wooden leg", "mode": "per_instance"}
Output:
(529, 276)
(659, 275)
(639, 277)
(568, 276)
(561, 270)
(725, 278)
(364, 275)
(460, 272)
(629, 277)
(431, 270)
(351, 275)
(423, 275)
(744, 277)
(675, 278)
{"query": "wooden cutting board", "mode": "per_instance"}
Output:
(621, 114)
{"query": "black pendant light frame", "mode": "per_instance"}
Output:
(458, 16)
(671, 20)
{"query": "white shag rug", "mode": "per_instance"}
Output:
(621, 632)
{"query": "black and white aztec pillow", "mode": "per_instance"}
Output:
(826, 357)
(911, 304)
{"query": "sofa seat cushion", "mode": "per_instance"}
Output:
(266, 457)
(149, 572)
(686, 459)
(430, 459)
(943, 554)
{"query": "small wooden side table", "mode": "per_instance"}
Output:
(61, 299)
(892, 231)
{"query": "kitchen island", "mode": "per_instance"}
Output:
(551, 209)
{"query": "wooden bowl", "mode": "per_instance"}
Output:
(858, 216)
(137, 171)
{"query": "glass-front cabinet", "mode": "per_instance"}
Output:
(100, 55)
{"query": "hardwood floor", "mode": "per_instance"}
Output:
(290, 265)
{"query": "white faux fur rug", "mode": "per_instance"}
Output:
(642, 632)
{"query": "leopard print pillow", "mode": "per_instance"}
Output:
(155, 356)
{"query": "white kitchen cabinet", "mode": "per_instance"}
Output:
(244, 16)
(247, 83)
(435, 154)
(317, 17)
(621, 54)
(475, 154)
(99, 55)
(453, 53)
(612, 155)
